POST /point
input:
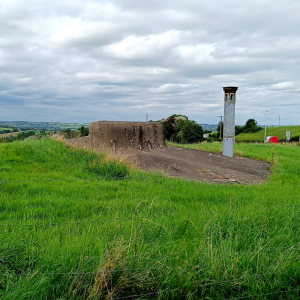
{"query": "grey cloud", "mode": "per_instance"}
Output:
(88, 60)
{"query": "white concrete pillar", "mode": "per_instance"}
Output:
(229, 120)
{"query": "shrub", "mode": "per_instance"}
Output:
(70, 134)
(83, 131)
(239, 129)
(214, 136)
(250, 126)
(190, 132)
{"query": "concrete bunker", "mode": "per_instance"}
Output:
(114, 135)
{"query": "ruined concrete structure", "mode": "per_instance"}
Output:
(126, 135)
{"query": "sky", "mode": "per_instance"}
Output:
(83, 61)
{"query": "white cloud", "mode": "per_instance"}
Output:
(282, 85)
(142, 46)
(195, 53)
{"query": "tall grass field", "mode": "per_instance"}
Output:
(77, 225)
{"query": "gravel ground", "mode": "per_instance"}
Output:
(201, 166)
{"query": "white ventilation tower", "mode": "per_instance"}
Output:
(229, 120)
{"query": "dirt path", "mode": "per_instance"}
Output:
(201, 166)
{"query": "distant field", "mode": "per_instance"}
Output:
(4, 128)
(16, 133)
(209, 127)
(8, 134)
(271, 131)
(61, 126)
(43, 125)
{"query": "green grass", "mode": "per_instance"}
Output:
(271, 131)
(143, 233)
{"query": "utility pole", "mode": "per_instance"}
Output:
(279, 120)
(265, 137)
(221, 132)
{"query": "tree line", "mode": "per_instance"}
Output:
(249, 127)
(179, 129)
(21, 136)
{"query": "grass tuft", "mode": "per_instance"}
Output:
(108, 169)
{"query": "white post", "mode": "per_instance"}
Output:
(265, 135)
(229, 120)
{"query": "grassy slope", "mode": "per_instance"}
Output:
(271, 131)
(174, 234)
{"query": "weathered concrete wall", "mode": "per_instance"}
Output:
(126, 135)
(82, 142)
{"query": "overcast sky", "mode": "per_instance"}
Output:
(81, 61)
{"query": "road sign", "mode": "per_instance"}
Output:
(288, 135)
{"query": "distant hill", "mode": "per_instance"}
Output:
(271, 131)
(7, 129)
(61, 126)
(211, 127)
(43, 125)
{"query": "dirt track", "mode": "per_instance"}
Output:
(192, 164)
(201, 166)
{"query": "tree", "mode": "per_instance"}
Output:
(179, 129)
(251, 126)
(250, 123)
(238, 129)
(190, 132)
(83, 131)
(67, 133)
(169, 127)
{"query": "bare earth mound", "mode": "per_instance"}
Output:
(201, 166)
(190, 164)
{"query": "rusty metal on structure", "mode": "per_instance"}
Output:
(229, 120)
